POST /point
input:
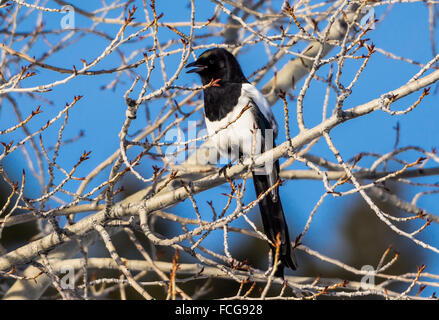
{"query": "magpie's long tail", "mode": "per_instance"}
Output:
(273, 220)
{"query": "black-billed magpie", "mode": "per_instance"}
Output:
(237, 115)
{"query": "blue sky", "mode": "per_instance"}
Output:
(100, 113)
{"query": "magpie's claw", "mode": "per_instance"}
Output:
(223, 172)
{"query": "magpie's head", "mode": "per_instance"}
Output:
(216, 64)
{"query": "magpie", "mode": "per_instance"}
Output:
(239, 120)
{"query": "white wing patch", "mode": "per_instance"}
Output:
(251, 91)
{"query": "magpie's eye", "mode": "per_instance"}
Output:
(211, 62)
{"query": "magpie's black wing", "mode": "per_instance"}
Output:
(264, 125)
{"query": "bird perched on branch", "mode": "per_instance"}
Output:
(240, 121)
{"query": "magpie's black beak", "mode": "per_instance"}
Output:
(198, 67)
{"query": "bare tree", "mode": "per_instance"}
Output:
(308, 44)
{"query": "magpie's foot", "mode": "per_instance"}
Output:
(222, 171)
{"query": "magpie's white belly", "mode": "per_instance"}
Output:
(233, 134)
